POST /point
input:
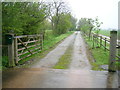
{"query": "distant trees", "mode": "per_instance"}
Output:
(31, 18)
(87, 25)
(63, 24)
(73, 21)
(61, 18)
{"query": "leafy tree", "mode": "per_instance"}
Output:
(64, 23)
(87, 25)
(57, 9)
(97, 25)
(23, 17)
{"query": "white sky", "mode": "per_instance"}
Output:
(106, 10)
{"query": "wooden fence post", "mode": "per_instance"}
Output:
(93, 41)
(113, 42)
(100, 41)
(16, 50)
(10, 43)
(105, 44)
(41, 40)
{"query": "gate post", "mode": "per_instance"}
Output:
(15, 51)
(10, 43)
(112, 54)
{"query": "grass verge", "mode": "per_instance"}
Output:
(100, 56)
(65, 59)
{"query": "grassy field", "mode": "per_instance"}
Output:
(50, 41)
(104, 32)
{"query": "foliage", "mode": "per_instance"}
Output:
(87, 25)
(63, 25)
(61, 18)
(97, 25)
(23, 17)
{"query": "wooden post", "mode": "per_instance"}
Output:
(100, 41)
(91, 36)
(105, 44)
(10, 42)
(113, 42)
(41, 40)
(16, 50)
(119, 47)
(93, 40)
(97, 36)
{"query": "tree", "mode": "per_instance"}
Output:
(88, 24)
(97, 25)
(64, 23)
(56, 11)
(23, 17)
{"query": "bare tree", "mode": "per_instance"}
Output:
(56, 8)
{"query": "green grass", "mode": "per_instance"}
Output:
(105, 32)
(65, 59)
(51, 40)
(100, 55)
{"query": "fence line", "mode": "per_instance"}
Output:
(102, 41)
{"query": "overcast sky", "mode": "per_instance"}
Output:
(106, 10)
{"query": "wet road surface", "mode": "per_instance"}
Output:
(51, 78)
(79, 75)
(79, 59)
